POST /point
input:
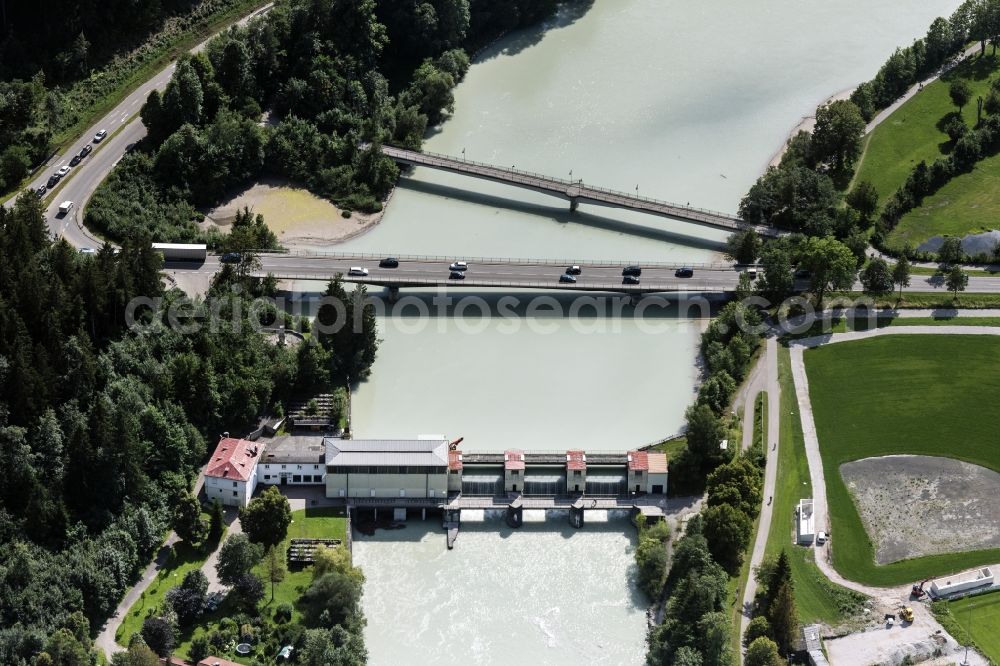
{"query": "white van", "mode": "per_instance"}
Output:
(358, 271)
(65, 207)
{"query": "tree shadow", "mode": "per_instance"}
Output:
(942, 126)
(523, 39)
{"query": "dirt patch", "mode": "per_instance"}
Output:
(300, 219)
(924, 505)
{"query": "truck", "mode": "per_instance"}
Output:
(182, 251)
(65, 207)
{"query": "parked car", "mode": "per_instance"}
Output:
(63, 170)
(86, 150)
(231, 258)
(459, 266)
(40, 191)
(634, 271)
(389, 262)
(573, 270)
(87, 250)
(74, 160)
(566, 277)
(358, 271)
(684, 272)
(821, 538)
(456, 275)
(630, 279)
(100, 136)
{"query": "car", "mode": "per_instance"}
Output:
(53, 180)
(86, 150)
(634, 271)
(630, 279)
(456, 275)
(358, 271)
(821, 538)
(40, 191)
(87, 250)
(100, 136)
(573, 270)
(566, 277)
(389, 262)
(63, 170)
(459, 266)
(231, 258)
(684, 272)
(65, 207)
(74, 160)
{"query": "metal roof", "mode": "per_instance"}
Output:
(366, 452)
(294, 449)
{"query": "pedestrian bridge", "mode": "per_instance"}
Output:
(574, 191)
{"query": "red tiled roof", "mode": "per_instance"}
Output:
(576, 460)
(513, 459)
(233, 459)
(213, 661)
(638, 461)
(454, 459)
(657, 463)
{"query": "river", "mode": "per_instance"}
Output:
(679, 100)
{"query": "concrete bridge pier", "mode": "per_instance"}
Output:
(576, 516)
(393, 294)
(573, 204)
(515, 516)
(452, 520)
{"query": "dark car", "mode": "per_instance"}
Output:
(573, 270)
(53, 180)
(389, 262)
(231, 258)
(86, 150)
(74, 160)
(40, 191)
(630, 279)
(684, 272)
(456, 275)
(634, 271)
(566, 277)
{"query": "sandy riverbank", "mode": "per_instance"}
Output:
(805, 125)
(301, 220)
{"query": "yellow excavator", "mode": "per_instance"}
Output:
(906, 615)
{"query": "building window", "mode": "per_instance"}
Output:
(235, 493)
(282, 467)
(577, 474)
(315, 466)
(234, 484)
(296, 478)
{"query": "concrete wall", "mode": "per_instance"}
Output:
(274, 471)
(655, 480)
(455, 481)
(513, 480)
(387, 485)
(576, 478)
(230, 492)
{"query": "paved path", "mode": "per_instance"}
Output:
(892, 596)
(232, 519)
(769, 373)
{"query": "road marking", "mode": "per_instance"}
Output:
(124, 116)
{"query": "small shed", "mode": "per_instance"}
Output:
(576, 471)
(805, 526)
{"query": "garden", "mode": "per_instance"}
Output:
(893, 395)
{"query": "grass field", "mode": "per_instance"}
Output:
(842, 325)
(323, 522)
(929, 299)
(817, 599)
(912, 394)
(912, 132)
(967, 204)
(183, 558)
(979, 618)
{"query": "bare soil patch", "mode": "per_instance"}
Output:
(924, 505)
(300, 219)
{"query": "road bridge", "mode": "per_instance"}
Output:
(574, 191)
(514, 274)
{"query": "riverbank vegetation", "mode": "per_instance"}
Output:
(102, 426)
(861, 423)
(61, 69)
(308, 93)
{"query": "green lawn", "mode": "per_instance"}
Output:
(183, 558)
(672, 447)
(817, 599)
(323, 522)
(978, 617)
(930, 299)
(913, 394)
(912, 132)
(841, 325)
(967, 204)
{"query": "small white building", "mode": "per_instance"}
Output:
(513, 471)
(293, 460)
(805, 526)
(647, 472)
(962, 582)
(576, 471)
(231, 474)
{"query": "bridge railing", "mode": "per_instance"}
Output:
(525, 177)
(686, 286)
(444, 258)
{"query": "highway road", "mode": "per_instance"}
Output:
(81, 182)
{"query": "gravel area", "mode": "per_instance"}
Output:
(925, 505)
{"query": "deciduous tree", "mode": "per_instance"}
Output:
(266, 518)
(876, 278)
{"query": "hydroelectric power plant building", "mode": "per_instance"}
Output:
(430, 472)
